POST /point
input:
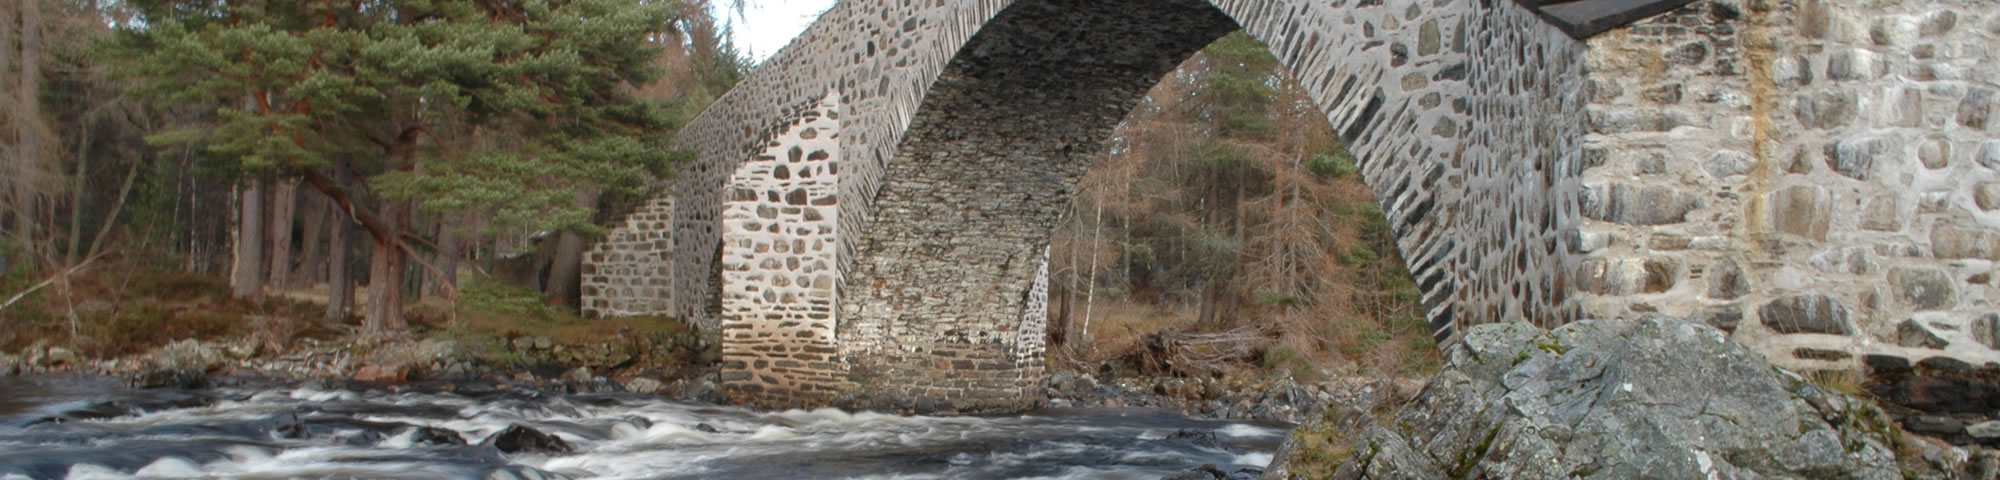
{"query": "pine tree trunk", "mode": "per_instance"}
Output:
(446, 260)
(284, 203)
(27, 141)
(246, 280)
(312, 257)
(339, 274)
(386, 272)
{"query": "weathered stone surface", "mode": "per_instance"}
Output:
(1724, 318)
(1850, 260)
(1986, 195)
(1976, 108)
(1989, 155)
(1881, 214)
(1934, 152)
(1952, 241)
(1807, 313)
(1628, 275)
(1728, 163)
(1923, 288)
(1726, 280)
(1914, 334)
(1987, 430)
(1803, 210)
(1986, 330)
(1832, 109)
(1857, 158)
(1639, 205)
(644, 385)
(1655, 397)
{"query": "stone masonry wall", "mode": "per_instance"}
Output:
(630, 272)
(1467, 116)
(1818, 177)
(778, 273)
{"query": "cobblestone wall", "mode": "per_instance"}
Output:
(1817, 177)
(778, 246)
(630, 272)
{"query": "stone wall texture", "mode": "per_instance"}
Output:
(1815, 177)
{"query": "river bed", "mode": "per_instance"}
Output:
(79, 427)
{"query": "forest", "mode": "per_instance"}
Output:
(200, 168)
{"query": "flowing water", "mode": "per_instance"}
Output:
(70, 427)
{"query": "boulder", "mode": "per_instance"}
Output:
(180, 378)
(63, 356)
(1652, 397)
(519, 438)
(644, 385)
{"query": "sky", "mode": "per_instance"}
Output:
(767, 25)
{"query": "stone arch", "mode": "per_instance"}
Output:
(963, 125)
(1458, 111)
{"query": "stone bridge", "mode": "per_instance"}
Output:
(868, 220)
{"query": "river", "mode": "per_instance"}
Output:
(80, 427)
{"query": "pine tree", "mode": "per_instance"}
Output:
(511, 110)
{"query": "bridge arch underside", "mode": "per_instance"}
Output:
(1467, 117)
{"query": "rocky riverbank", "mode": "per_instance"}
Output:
(1655, 397)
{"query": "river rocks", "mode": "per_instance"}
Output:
(435, 436)
(1811, 313)
(181, 378)
(59, 356)
(186, 354)
(644, 385)
(381, 373)
(1655, 397)
(518, 438)
(9, 365)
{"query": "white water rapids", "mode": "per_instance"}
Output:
(242, 434)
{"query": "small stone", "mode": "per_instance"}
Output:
(1933, 424)
(63, 356)
(1974, 110)
(1728, 163)
(1803, 210)
(1913, 334)
(1950, 241)
(705, 428)
(1723, 318)
(1986, 430)
(1628, 275)
(9, 365)
(1937, 23)
(1986, 330)
(436, 436)
(1850, 260)
(1809, 313)
(1881, 214)
(1637, 205)
(576, 375)
(185, 379)
(381, 374)
(1989, 154)
(1986, 195)
(1934, 152)
(1691, 53)
(1726, 281)
(1856, 158)
(518, 438)
(1826, 110)
(1853, 64)
(1666, 94)
(644, 385)
(543, 343)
